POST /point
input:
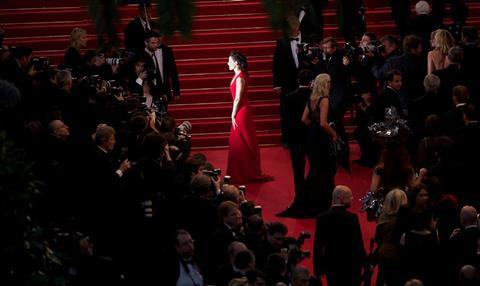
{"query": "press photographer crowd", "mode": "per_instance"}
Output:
(124, 201)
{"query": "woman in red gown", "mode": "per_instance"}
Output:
(243, 153)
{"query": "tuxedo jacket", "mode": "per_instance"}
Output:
(285, 72)
(387, 98)
(170, 83)
(135, 35)
(338, 244)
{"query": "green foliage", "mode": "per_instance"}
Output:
(175, 15)
(26, 257)
(279, 10)
(105, 15)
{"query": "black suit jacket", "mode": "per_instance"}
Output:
(170, 83)
(463, 247)
(135, 35)
(387, 98)
(449, 78)
(285, 72)
(338, 245)
(296, 102)
(453, 121)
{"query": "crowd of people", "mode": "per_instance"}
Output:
(124, 192)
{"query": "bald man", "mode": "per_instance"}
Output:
(463, 241)
(338, 247)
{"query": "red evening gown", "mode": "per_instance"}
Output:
(243, 153)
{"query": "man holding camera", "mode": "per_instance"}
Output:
(161, 67)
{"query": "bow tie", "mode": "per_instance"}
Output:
(294, 39)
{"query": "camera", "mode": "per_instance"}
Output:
(41, 64)
(183, 130)
(309, 51)
(123, 57)
(295, 252)
(215, 173)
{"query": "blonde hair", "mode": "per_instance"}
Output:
(321, 86)
(395, 199)
(443, 41)
(75, 36)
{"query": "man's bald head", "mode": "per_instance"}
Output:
(59, 129)
(342, 195)
(468, 216)
(234, 248)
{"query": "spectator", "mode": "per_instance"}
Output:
(272, 243)
(471, 60)
(226, 271)
(450, 77)
(442, 42)
(300, 277)
(463, 241)
(137, 28)
(453, 120)
(389, 97)
(338, 247)
(468, 276)
(422, 24)
(186, 271)
(73, 57)
(388, 257)
(285, 68)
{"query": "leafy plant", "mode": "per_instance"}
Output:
(26, 257)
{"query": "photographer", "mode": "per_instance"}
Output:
(19, 70)
(272, 243)
(387, 51)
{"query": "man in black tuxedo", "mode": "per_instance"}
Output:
(229, 229)
(389, 97)
(468, 140)
(183, 270)
(285, 68)
(453, 119)
(463, 241)
(226, 271)
(296, 139)
(450, 77)
(102, 200)
(161, 67)
(471, 61)
(338, 247)
(311, 18)
(401, 14)
(136, 29)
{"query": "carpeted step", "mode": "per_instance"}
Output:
(222, 109)
(190, 52)
(221, 139)
(216, 125)
(216, 65)
(256, 78)
(189, 96)
(44, 28)
(198, 37)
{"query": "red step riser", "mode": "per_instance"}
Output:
(215, 66)
(223, 111)
(221, 81)
(189, 97)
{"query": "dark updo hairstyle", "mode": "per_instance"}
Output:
(241, 59)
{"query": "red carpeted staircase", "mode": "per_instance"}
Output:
(219, 27)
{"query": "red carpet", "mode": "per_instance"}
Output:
(275, 196)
